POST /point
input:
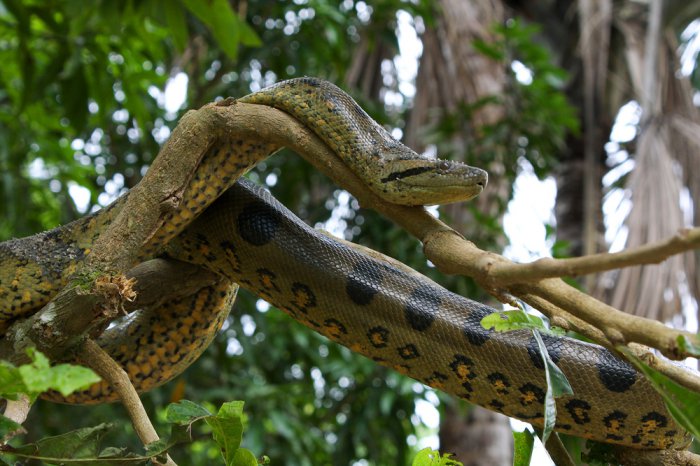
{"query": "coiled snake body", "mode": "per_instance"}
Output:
(378, 308)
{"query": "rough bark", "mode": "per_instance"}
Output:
(480, 437)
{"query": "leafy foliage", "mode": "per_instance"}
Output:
(84, 446)
(39, 376)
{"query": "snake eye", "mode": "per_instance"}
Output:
(444, 165)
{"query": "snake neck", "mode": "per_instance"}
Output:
(390, 169)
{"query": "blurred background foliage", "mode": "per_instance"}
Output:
(84, 110)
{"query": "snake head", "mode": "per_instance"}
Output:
(428, 181)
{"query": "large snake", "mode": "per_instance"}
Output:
(376, 307)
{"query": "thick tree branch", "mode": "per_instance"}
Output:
(156, 280)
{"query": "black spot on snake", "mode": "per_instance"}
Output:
(408, 352)
(579, 409)
(267, 279)
(531, 393)
(304, 298)
(653, 421)
(499, 382)
(422, 307)
(497, 405)
(616, 375)
(463, 368)
(436, 380)
(475, 333)
(258, 223)
(615, 423)
(553, 345)
(469, 390)
(335, 328)
(378, 337)
(363, 282)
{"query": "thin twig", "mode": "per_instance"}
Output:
(680, 374)
(98, 360)
(547, 267)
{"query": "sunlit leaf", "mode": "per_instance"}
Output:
(512, 320)
(40, 376)
(524, 444)
(430, 457)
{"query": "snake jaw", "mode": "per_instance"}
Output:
(425, 181)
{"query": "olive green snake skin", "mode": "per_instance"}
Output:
(375, 307)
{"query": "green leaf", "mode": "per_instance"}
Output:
(430, 457)
(512, 320)
(524, 444)
(226, 425)
(178, 434)
(39, 376)
(176, 22)
(10, 381)
(244, 457)
(82, 447)
(226, 27)
(557, 385)
(492, 51)
(8, 426)
(690, 346)
(81, 443)
(682, 403)
(227, 429)
(185, 412)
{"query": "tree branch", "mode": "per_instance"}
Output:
(94, 357)
(653, 253)
(156, 280)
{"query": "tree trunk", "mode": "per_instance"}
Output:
(452, 74)
(481, 438)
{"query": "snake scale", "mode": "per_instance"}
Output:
(375, 307)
